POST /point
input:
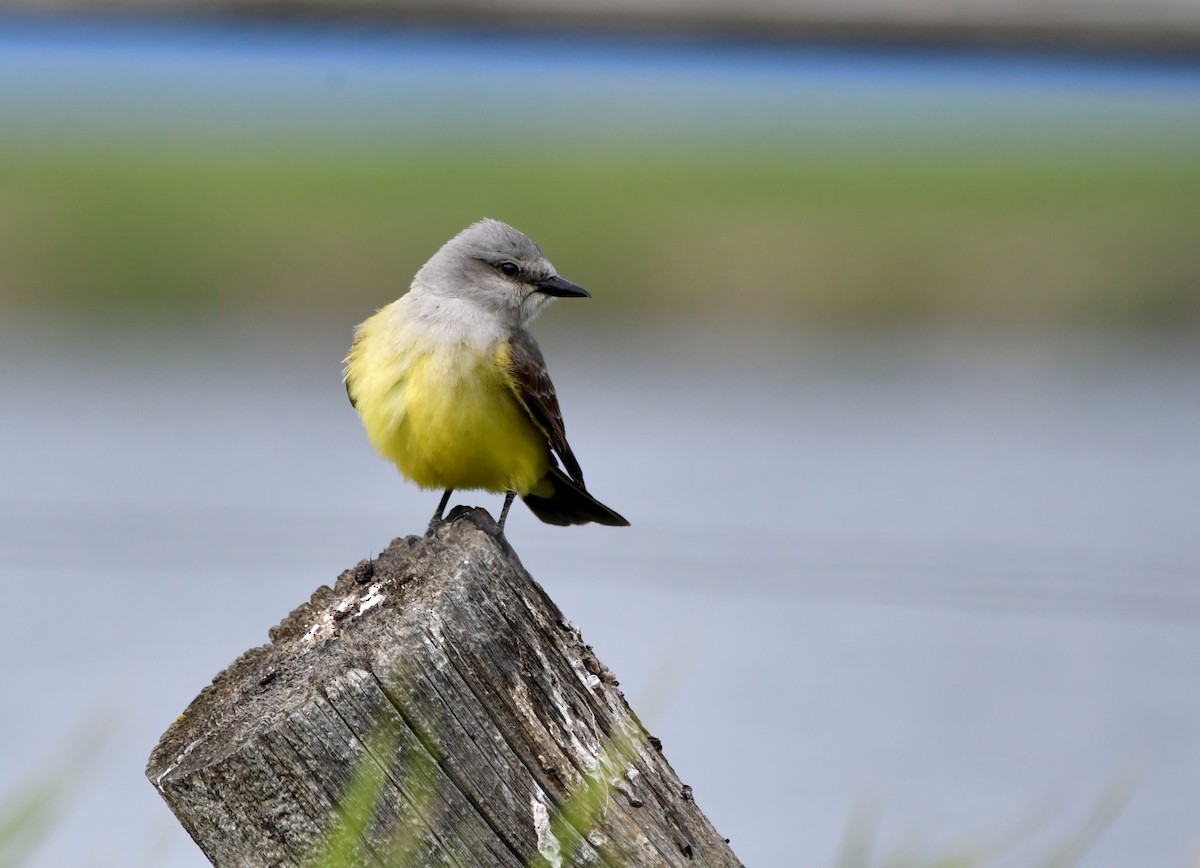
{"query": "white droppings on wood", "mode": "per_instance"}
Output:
(187, 750)
(547, 843)
(326, 624)
(322, 629)
(372, 598)
(592, 682)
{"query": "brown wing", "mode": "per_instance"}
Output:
(531, 382)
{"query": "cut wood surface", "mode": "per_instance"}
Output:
(495, 735)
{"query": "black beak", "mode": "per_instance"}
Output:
(560, 288)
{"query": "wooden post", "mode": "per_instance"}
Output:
(493, 734)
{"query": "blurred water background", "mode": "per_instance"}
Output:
(892, 362)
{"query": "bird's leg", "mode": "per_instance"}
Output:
(437, 516)
(508, 499)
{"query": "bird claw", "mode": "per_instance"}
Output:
(479, 517)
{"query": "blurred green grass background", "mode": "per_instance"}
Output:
(175, 172)
(863, 238)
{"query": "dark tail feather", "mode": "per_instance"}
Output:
(570, 504)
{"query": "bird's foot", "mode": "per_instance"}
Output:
(436, 521)
(478, 517)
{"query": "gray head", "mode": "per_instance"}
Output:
(496, 269)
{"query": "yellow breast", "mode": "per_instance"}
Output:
(443, 412)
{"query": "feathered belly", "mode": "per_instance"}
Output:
(448, 419)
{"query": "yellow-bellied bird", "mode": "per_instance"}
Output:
(453, 389)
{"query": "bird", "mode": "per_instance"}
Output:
(454, 390)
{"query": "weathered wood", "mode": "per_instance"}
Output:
(443, 662)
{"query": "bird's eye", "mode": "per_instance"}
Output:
(509, 269)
